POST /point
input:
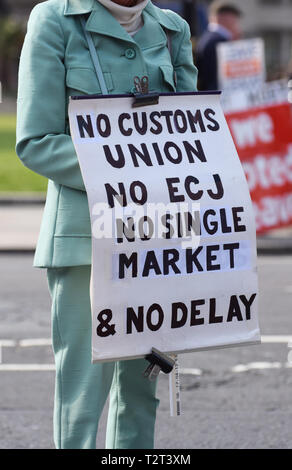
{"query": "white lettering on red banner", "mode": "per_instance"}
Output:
(263, 137)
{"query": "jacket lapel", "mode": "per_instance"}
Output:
(78, 7)
(166, 20)
(151, 34)
(102, 22)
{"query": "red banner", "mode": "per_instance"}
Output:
(263, 138)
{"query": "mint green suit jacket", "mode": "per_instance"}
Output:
(55, 63)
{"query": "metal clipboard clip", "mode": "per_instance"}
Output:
(142, 95)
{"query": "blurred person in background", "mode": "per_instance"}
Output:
(224, 25)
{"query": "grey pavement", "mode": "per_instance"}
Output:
(20, 225)
(20, 220)
(241, 398)
(237, 398)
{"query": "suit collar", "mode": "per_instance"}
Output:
(101, 21)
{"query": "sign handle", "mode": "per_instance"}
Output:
(158, 361)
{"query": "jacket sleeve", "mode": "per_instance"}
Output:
(41, 141)
(186, 72)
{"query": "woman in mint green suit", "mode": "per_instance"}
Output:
(132, 38)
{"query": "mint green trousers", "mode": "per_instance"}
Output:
(81, 388)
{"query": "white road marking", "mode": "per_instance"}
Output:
(244, 367)
(28, 343)
(34, 342)
(256, 366)
(8, 343)
(26, 367)
(37, 342)
(260, 366)
(190, 371)
(184, 371)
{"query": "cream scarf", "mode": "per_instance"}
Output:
(128, 17)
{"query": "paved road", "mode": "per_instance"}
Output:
(226, 406)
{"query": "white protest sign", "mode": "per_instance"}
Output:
(173, 234)
(269, 93)
(241, 64)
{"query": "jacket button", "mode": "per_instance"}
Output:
(130, 53)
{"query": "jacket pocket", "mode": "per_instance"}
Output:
(84, 80)
(168, 77)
